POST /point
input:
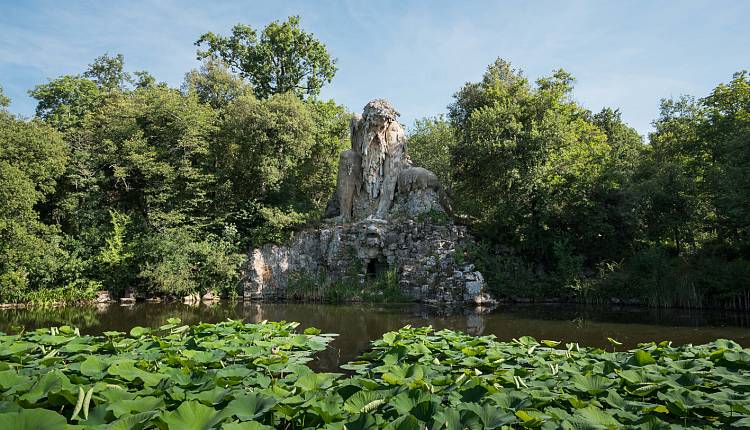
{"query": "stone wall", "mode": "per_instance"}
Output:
(419, 241)
(428, 258)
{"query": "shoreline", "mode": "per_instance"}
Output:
(616, 302)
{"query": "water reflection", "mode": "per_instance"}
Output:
(359, 324)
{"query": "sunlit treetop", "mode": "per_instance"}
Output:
(281, 59)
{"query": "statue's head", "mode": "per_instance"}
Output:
(377, 116)
(380, 111)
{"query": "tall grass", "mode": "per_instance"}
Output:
(320, 287)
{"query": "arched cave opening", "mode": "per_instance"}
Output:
(375, 267)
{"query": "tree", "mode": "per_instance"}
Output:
(145, 154)
(431, 142)
(108, 72)
(63, 102)
(4, 101)
(276, 160)
(262, 141)
(615, 198)
(669, 177)
(32, 157)
(538, 174)
(725, 137)
(177, 263)
(284, 58)
(215, 84)
(626, 143)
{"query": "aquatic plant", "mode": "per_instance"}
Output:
(234, 375)
(172, 377)
(448, 379)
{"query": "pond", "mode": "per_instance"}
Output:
(358, 324)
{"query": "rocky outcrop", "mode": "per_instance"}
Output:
(386, 215)
(428, 258)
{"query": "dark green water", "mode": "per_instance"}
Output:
(359, 324)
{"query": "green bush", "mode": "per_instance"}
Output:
(657, 277)
(78, 291)
(176, 263)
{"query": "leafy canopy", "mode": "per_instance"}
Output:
(284, 58)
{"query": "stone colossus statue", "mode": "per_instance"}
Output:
(368, 173)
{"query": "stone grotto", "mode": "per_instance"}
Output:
(385, 215)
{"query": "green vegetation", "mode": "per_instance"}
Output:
(121, 182)
(380, 288)
(170, 377)
(234, 375)
(434, 217)
(573, 204)
(425, 379)
(284, 59)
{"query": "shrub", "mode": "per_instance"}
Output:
(176, 263)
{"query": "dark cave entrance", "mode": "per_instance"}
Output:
(375, 267)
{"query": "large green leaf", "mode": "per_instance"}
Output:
(449, 419)
(513, 400)
(400, 375)
(680, 402)
(490, 416)
(50, 382)
(407, 422)
(406, 402)
(93, 366)
(247, 425)
(17, 348)
(212, 397)
(192, 415)
(364, 402)
(362, 422)
(592, 384)
(33, 419)
(126, 369)
(316, 381)
(11, 379)
(249, 406)
(133, 422)
(592, 418)
(233, 372)
(140, 404)
(642, 358)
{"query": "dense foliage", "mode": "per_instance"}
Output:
(170, 377)
(33, 254)
(235, 375)
(123, 183)
(574, 204)
(284, 59)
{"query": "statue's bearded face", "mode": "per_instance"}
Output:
(378, 121)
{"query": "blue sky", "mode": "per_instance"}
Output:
(624, 54)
